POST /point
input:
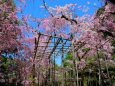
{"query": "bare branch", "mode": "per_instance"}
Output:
(71, 20)
(44, 3)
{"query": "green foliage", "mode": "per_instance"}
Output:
(56, 67)
(4, 63)
(85, 49)
(113, 43)
(66, 64)
(69, 56)
(101, 55)
(90, 60)
(113, 57)
(3, 1)
(113, 50)
(4, 67)
(4, 59)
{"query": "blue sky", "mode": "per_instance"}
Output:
(33, 8)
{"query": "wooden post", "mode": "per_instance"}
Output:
(76, 82)
(108, 72)
(54, 63)
(62, 64)
(100, 74)
(34, 58)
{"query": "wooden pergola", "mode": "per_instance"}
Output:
(54, 46)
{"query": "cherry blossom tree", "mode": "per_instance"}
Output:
(10, 32)
(90, 36)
